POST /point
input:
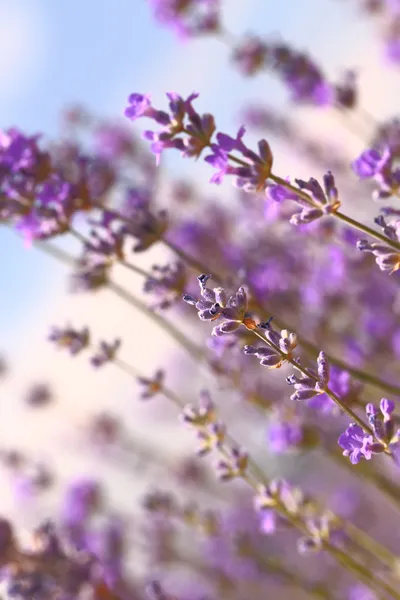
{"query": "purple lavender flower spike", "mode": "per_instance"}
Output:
(356, 444)
(70, 338)
(139, 106)
(188, 19)
(370, 163)
(105, 353)
(278, 193)
(215, 304)
(151, 386)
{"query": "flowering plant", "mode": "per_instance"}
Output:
(282, 276)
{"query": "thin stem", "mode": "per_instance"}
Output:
(254, 479)
(135, 269)
(348, 220)
(78, 235)
(309, 347)
(195, 351)
(373, 547)
(389, 490)
(328, 391)
(365, 229)
(189, 260)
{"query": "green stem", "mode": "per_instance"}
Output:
(365, 229)
(309, 347)
(66, 258)
(193, 350)
(353, 416)
(254, 479)
(344, 218)
(135, 269)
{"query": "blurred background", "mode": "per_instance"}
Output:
(94, 54)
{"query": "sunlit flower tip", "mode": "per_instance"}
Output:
(75, 341)
(233, 465)
(249, 323)
(385, 257)
(105, 353)
(387, 407)
(268, 496)
(152, 386)
(226, 327)
(272, 336)
(306, 216)
(288, 341)
(211, 437)
(320, 531)
(199, 416)
(250, 55)
(267, 356)
(241, 300)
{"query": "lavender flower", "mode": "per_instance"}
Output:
(82, 498)
(166, 283)
(70, 338)
(385, 257)
(151, 386)
(215, 304)
(183, 119)
(141, 221)
(279, 349)
(106, 353)
(357, 444)
(252, 173)
(189, 18)
(379, 165)
(320, 532)
(233, 465)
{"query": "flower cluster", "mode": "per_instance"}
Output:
(188, 18)
(188, 536)
(318, 202)
(306, 82)
(166, 284)
(278, 349)
(379, 166)
(358, 444)
(215, 304)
